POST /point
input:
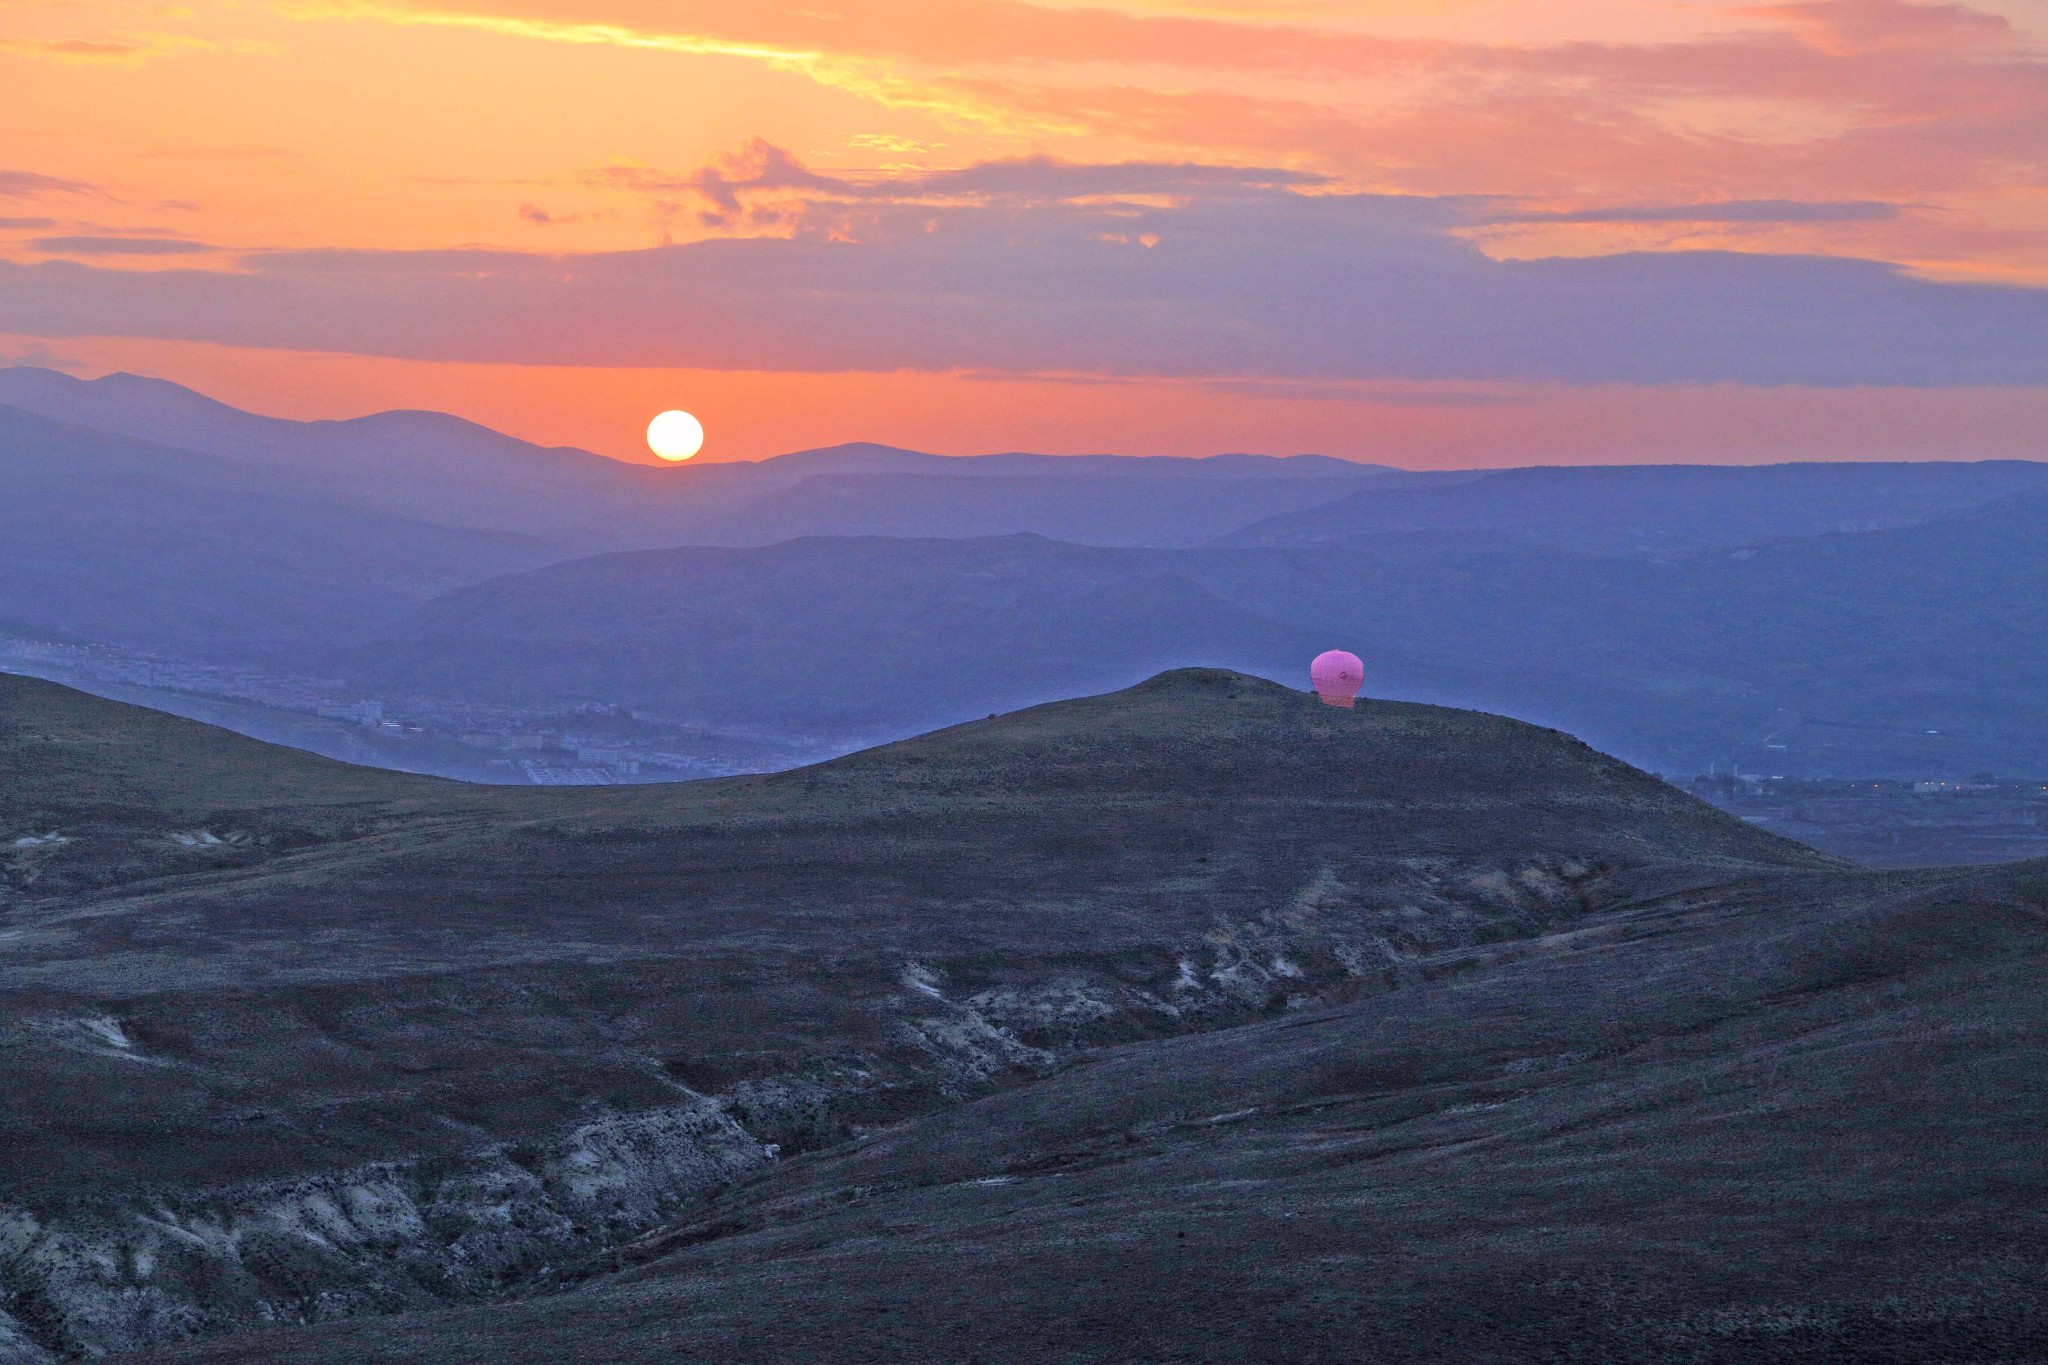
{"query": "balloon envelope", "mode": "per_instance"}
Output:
(1337, 675)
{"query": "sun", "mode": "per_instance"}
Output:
(675, 435)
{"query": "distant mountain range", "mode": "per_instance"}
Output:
(111, 538)
(141, 513)
(1812, 619)
(1922, 649)
(1658, 508)
(430, 467)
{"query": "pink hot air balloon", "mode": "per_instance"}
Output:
(1337, 675)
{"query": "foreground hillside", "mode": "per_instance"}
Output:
(449, 1042)
(95, 794)
(1767, 1122)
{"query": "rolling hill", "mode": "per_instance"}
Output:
(1075, 505)
(1910, 651)
(391, 1042)
(113, 539)
(866, 637)
(423, 466)
(130, 793)
(1659, 509)
(140, 514)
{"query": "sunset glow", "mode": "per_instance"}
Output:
(1386, 230)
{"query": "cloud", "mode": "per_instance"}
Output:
(26, 224)
(943, 33)
(120, 246)
(1838, 98)
(1862, 27)
(1238, 274)
(1399, 393)
(760, 171)
(1801, 121)
(861, 76)
(75, 49)
(125, 50)
(32, 184)
(754, 168)
(1722, 211)
(37, 354)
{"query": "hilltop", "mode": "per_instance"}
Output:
(1185, 796)
(491, 1030)
(130, 793)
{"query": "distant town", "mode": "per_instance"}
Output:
(1983, 818)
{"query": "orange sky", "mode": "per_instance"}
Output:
(211, 138)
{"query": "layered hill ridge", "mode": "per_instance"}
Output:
(1659, 509)
(119, 539)
(143, 515)
(1815, 620)
(459, 1034)
(443, 470)
(1903, 652)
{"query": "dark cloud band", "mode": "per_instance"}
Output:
(1231, 275)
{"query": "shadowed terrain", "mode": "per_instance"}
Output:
(1786, 1121)
(94, 793)
(390, 1042)
(1192, 1022)
(1651, 509)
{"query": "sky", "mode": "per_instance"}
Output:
(1436, 233)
